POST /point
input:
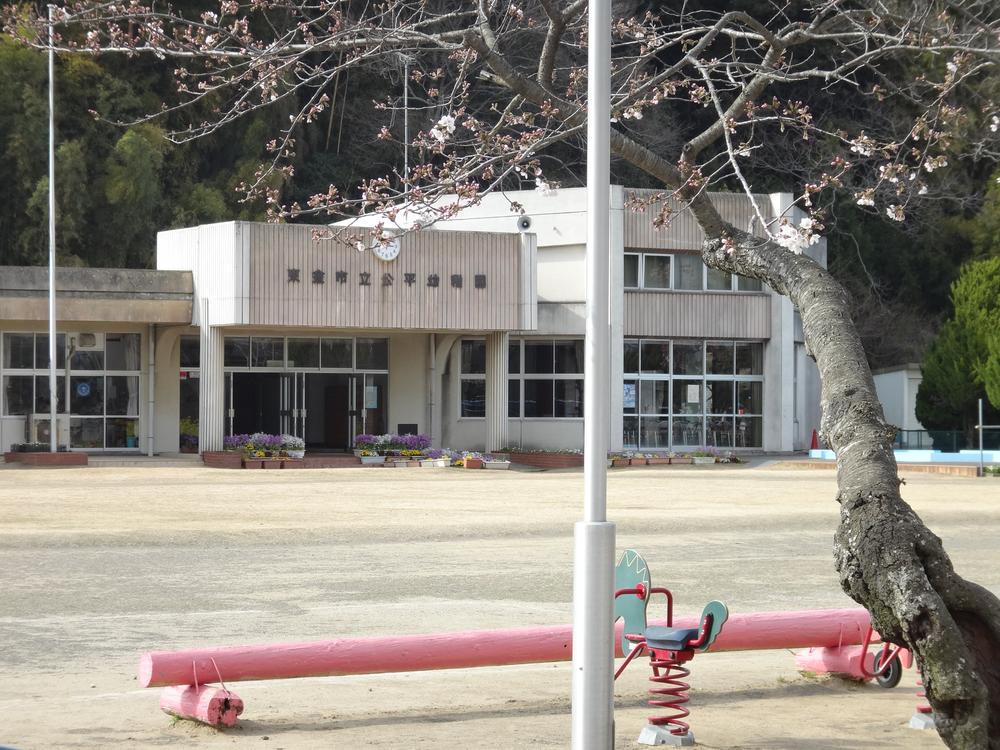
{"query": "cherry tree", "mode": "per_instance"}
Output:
(700, 98)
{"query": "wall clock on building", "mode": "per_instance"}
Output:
(387, 251)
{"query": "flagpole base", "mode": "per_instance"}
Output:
(593, 635)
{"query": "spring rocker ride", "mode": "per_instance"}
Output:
(837, 642)
(669, 648)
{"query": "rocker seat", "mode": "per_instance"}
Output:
(673, 639)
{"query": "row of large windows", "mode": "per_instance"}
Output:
(30, 351)
(665, 357)
(675, 393)
(280, 353)
(89, 395)
(681, 271)
(545, 379)
(103, 389)
(693, 393)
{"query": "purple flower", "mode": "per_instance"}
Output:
(364, 440)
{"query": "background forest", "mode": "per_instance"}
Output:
(119, 180)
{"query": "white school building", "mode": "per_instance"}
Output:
(470, 331)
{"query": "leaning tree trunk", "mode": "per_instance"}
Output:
(888, 561)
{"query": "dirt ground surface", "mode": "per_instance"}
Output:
(100, 564)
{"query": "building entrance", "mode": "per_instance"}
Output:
(340, 406)
(325, 409)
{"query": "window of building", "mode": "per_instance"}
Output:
(682, 394)
(550, 383)
(473, 378)
(42, 351)
(690, 271)
(372, 354)
(631, 269)
(337, 354)
(303, 353)
(682, 271)
(190, 352)
(656, 271)
(19, 351)
(267, 351)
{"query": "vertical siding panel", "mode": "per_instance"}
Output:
(697, 315)
(272, 300)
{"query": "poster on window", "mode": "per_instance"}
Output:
(371, 396)
(693, 394)
(628, 401)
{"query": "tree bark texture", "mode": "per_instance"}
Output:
(888, 561)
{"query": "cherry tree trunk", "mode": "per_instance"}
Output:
(888, 561)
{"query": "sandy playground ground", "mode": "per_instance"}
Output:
(100, 564)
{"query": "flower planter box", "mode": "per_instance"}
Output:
(496, 465)
(223, 459)
(396, 463)
(293, 463)
(703, 460)
(548, 460)
(619, 462)
(473, 463)
(637, 462)
(435, 463)
(46, 458)
(683, 460)
(372, 460)
(262, 463)
(658, 460)
(297, 454)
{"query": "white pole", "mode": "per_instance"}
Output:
(53, 396)
(982, 470)
(594, 537)
(406, 122)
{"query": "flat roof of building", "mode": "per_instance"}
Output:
(97, 294)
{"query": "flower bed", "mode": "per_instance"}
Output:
(262, 445)
(391, 444)
(545, 459)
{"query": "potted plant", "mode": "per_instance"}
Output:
(189, 435)
(435, 458)
(637, 459)
(619, 459)
(365, 442)
(471, 461)
(412, 456)
(494, 462)
(293, 445)
(677, 458)
(657, 460)
(704, 456)
(370, 457)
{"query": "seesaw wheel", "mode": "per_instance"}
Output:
(892, 674)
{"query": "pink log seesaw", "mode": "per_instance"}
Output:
(830, 629)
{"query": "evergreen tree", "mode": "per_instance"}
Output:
(963, 363)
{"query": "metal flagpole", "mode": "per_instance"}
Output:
(594, 536)
(53, 396)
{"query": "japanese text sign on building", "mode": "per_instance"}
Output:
(364, 278)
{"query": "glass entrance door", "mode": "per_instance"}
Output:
(293, 404)
(371, 396)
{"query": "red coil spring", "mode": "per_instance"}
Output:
(672, 695)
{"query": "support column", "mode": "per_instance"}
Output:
(496, 390)
(211, 389)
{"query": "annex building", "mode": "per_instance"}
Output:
(471, 331)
